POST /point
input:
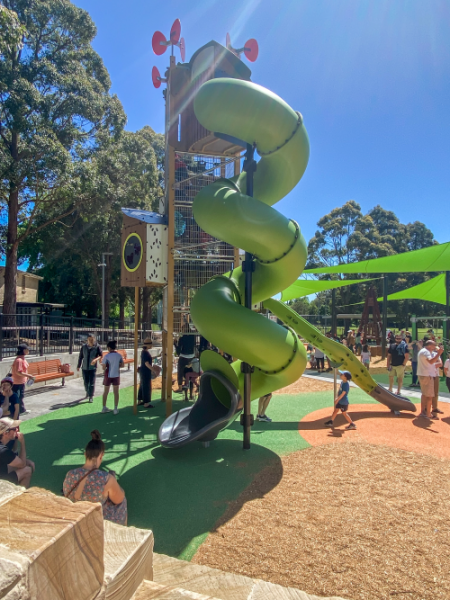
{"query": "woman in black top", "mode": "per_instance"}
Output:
(145, 373)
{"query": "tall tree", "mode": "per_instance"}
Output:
(122, 172)
(54, 99)
(346, 235)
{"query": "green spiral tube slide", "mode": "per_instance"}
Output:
(256, 115)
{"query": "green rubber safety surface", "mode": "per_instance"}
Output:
(179, 494)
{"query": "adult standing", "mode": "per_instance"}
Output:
(426, 371)
(437, 378)
(351, 340)
(398, 356)
(20, 374)
(145, 374)
(186, 352)
(320, 360)
(90, 354)
(415, 348)
(358, 343)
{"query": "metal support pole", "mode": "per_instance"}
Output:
(41, 334)
(248, 268)
(136, 338)
(71, 336)
(1, 336)
(335, 385)
(383, 339)
(333, 312)
(446, 328)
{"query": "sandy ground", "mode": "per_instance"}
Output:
(357, 520)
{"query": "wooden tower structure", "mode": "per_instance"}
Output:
(371, 323)
(195, 157)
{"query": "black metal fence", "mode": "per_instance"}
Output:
(47, 334)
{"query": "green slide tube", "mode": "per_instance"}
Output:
(339, 354)
(254, 114)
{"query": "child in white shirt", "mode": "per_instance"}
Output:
(365, 356)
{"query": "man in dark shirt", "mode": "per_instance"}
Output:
(398, 356)
(15, 468)
(90, 354)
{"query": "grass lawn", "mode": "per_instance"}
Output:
(179, 494)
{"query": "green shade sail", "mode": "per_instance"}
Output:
(433, 258)
(432, 290)
(303, 287)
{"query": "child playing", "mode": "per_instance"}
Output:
(111, 364)
(447, 372)
(341, 402)
(365, 356)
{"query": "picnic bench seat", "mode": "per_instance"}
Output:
(47, 370)
(123, 354)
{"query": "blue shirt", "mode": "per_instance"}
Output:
(344, 387)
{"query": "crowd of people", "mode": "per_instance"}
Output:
(93, 483)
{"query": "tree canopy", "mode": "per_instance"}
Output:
(54, 103)
(346, 235)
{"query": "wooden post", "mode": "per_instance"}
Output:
(136, 342)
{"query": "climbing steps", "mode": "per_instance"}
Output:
(175, 579)
(52, 549)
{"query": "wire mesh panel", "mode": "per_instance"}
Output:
(197, 255)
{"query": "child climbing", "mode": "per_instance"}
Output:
(341, 401)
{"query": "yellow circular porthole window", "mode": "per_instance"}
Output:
(132, 252)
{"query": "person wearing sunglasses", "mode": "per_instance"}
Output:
(14, 467)
(397, 359)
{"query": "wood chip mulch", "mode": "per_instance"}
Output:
(305, 384)
(356, 520)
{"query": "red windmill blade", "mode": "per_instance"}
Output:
(251, 50)
(159, 43)
(182, 49)
(175, 31)
(156, 78)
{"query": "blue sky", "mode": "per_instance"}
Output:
(371, 78)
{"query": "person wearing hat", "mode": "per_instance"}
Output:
(341, 401)
(20, 374)
(90, 354)
(9, 400)
(14, 467)
(146, 369)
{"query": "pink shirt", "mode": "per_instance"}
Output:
(20, 364)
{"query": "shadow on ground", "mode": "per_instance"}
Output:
(179, 494)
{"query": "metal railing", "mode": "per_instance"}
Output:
(46, 334)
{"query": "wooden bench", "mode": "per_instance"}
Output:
(47, 370)
(123, 354)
